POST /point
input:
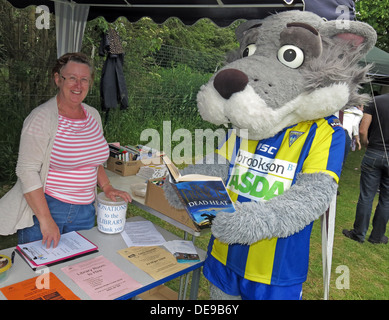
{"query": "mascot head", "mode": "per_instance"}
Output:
(290, 67)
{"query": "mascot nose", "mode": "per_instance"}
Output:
(229, 81)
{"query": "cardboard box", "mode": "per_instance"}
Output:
(155, 198)
(124, 168)
(111, 164)
(159, 293)
(129, 168)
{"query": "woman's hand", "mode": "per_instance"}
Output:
(112, 193)
(49, 229)
(105, 185)
(50, 232)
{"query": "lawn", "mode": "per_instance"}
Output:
(359, 271)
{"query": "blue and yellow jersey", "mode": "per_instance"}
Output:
(261, 170)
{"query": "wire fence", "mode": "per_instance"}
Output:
(168, 76)
(166, 82)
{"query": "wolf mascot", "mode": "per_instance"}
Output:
(282, 159)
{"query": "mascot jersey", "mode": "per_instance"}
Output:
(261, 170)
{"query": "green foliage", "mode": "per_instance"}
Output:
(171, 97)
(375, 13)
(203, 36)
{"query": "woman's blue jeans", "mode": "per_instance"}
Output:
(374, 177)
(67, 216)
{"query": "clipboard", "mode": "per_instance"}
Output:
(71, 246)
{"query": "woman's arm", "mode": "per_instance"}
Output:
(104, 183)
(50, 231)
(34, 140)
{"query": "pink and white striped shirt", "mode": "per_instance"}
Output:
(79, 148)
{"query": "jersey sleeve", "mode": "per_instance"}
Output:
(327, 150)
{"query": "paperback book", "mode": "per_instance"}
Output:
(203, 196)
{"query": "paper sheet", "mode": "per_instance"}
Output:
(44, 287)
(141, 233)
(155, 261)
(101, 279)
(180, 246)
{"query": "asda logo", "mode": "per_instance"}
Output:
(257, 187)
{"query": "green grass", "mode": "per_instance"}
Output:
(368, 264)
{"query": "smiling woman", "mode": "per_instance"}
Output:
(72, 75)
(56, 186)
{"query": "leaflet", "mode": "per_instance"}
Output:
(33, 289)
(101, 279)
(183, 250)
(141, 233)
(155, 261)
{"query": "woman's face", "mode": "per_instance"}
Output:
(73, 82)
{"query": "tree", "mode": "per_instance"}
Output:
(375, 13)
(203, 36)
(28, 54)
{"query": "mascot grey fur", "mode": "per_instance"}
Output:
(293, 69)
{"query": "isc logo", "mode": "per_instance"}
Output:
(266, 148)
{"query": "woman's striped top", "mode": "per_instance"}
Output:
(79, 148)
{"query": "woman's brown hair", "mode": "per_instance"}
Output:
(75, 57)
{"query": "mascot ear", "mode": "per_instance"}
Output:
(357, 34)
(246, 26)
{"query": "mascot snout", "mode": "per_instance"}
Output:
(229, 81)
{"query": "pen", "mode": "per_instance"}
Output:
(26, 254)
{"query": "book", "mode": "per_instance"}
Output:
(152, 171)
(70, 246)
(203, 196)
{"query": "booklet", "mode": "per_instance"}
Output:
(101, 279)
(203, 196)
(70, 246)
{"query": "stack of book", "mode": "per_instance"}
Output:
(152, 171)
(131, 153)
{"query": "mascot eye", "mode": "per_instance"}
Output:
(249, 50)
(291, 56)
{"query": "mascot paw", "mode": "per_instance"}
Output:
(221, 228)
(240, 226)
(171, 196)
